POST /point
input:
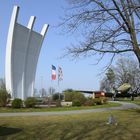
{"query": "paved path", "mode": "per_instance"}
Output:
(124, 106)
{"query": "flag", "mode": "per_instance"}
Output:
(53, 72)
(60, 74)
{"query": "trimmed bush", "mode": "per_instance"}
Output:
(98, 101)
(30, 102)
(17, 103)
(71, 95)
(89, 102)
(76, 103)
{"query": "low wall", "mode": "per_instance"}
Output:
(66, 103)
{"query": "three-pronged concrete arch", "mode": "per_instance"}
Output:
(22, 52)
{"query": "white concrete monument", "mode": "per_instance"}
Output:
(22, 52)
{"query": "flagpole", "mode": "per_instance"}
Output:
(59, 79)
(53, 77)
(58, 84)
(50, 89)
(58, 89)
(41, 85)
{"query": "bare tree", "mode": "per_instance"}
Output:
(104, 85)
(43, 92)
(109, 26)
(51, 90)
(126, 70)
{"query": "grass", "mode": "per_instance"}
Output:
(128, 100)
(91, 126)
(3, 110)
(135, 102)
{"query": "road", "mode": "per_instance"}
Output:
(124, 106)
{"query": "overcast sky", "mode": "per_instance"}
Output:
(77, 74)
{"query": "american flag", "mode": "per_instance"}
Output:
(53, 72)
(60, 74)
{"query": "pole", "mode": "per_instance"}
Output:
(58, 89)
(41, 85)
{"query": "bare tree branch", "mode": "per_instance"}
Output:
(111, 26)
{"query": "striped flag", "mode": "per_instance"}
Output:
(60, 74)
(53, 72)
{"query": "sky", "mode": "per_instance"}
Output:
(79, 74)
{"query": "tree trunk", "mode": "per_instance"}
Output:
(135, 45)
(137, 53)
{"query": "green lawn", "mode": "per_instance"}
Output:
(135, 102)
(91, 126)
(128, 100)
(57, 109)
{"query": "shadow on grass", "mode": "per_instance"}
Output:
(4, 131)
(138, 110)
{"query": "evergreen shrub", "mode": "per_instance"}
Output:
(89, 102)
(17, 103)
(76, 103)
(30, 102)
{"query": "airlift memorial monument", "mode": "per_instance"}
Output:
(22, 52)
